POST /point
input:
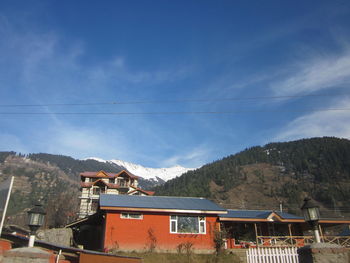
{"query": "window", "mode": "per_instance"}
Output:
(94, 205)
(96, 190)
(131, 215)
(187, 224)
(111, 180)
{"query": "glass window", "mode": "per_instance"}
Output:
(134, 215)
(131, 215)
(202, 227)
(111, 180)
(187, 224)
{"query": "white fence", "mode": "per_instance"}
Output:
(272, 255)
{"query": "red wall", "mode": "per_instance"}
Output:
(4, 246)
(133, 234)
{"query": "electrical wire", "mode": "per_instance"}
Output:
(173, 112)
(173, 101)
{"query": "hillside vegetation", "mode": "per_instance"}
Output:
(51, 179)
(256, 178)
(264, 177)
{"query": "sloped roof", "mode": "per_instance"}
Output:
(136, 189)
(159, 204)
(142, 191)
(103, 174)
(259, 215)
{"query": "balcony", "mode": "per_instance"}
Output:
(123, 183)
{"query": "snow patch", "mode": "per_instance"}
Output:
(152, 173)
(147, 172)
(96, 159)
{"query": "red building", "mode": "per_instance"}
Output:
(155, 223)
(158, 223)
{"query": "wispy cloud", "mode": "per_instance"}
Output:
(317, 124)
(194, 158)
(82, 141)
(51, 69)
(315, 74)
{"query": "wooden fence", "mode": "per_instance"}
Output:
(272, 255)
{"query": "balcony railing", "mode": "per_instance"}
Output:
(286, 241)
(299, 241)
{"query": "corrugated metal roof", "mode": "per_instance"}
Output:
(159, 202)
(288, 216)
(257, 214)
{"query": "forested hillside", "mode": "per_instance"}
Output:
(256, 178)
(264, 177)
(73, 166)
(51, 179)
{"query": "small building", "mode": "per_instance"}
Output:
(157, 223)
(93, 184)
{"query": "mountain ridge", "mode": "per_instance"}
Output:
(260, 177)
(148, 173)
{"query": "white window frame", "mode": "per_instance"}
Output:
(127, 215)
(201, 224)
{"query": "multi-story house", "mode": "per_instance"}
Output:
(95, 183)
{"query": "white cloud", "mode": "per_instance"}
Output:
(317, 124)
(192, 159)
(315, 74)
(44, 68)
(81, 142)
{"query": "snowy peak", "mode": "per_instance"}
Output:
(152, 173)
(147, 172)
(96, 159)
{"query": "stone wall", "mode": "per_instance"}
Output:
(323, 253)
(58, 236)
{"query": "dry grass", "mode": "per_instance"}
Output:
(183, 258)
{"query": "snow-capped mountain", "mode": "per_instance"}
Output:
(148, 173)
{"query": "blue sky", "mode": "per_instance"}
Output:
(159, 57)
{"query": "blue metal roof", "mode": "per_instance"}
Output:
(159, 202)
(288, 216)
(257, 214)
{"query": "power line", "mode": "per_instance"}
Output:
(173, 112)
(174, 101)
